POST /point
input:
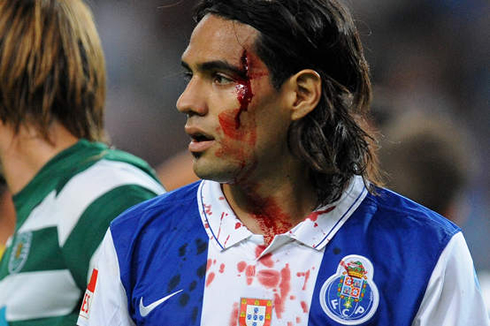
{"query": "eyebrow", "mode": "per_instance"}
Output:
(222, 65)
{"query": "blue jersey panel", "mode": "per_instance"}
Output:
(377, 267)
(162, 251)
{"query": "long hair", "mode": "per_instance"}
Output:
(334, 140)
(51, 67)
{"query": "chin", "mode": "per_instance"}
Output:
(215, 172)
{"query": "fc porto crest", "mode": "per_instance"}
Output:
(350, 296)
(20, 251)
(255, 312)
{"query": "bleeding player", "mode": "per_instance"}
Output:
(289, 226)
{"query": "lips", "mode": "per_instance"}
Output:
(200, 141)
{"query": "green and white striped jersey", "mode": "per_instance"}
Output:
(62, 216)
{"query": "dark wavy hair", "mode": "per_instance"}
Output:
(334, 139)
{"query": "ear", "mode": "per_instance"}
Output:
(307, 90)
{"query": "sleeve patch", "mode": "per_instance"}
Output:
(89, 295)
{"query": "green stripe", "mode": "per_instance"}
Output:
(44, 253)
(64, 165)
(61, 169)
(93, 224)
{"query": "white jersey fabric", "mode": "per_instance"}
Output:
(62, 216)
(364, 260)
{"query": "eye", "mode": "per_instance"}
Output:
(221, 79)
(187, 75)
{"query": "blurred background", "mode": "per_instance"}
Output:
(430, 67)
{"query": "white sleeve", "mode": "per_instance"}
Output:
(105, 301)
(453, 296)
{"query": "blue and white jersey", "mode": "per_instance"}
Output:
(185, 259)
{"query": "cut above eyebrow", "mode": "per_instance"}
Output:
(215, 65)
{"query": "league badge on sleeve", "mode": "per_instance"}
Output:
(20, 252)
(255, 312)
(350, 296)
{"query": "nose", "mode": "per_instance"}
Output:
(192, 100)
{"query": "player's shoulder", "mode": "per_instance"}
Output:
(405, 213)
(160, 211)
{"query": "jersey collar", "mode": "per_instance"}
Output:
(226, 230)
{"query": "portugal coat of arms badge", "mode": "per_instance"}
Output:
(350, 296)
(255, 312)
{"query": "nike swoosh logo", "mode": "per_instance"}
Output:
(145, 310)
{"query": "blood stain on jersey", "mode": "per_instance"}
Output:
(234, 314)
(195, 311)
(314, 215)
(192, 286)
(184, 299)
(207, 208)
(266, 260)
(269, 278)
(250, 273)
(201, 246)
(182, 250)
(209, 263)
(304, 306)
(285, 287)
(201, 271)
(227, 238)
(210, 278)
(255, 312)
(306, 275)
(241, 266)
(174, 281)
(350, 296)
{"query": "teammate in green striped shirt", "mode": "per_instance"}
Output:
(67, 184)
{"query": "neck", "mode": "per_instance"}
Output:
(7, 215)
(23, 154)
(270, 207)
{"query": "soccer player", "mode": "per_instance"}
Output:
(67, 185)
(288, 226)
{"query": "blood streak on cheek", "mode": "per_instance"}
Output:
(230, 120)
(244, 89)
(227, 121)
